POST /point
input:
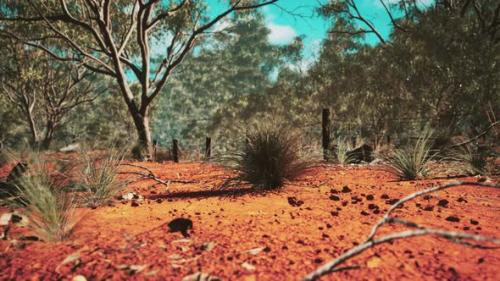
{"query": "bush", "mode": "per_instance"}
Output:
(99, 178)
(473, 160)
(51, 211)
(411, 162)
(269, 157)
(341, 152)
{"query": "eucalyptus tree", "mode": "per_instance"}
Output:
(224, 84)
(44, 91)
(117, 38)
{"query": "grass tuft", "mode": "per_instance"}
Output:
(51, 211)
(99, 178)
(270, 156)
(472, 160)
(411, 162)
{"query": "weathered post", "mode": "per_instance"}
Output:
(208, 148)
(175, 151)
(325, 126)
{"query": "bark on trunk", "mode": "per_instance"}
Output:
(144, 143)
(49, 134)
(33, 129)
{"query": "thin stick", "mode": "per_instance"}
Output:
(455, 237)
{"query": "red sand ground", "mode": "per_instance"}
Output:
(125, 242)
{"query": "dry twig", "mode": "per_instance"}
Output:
(151, 176)
(455, 237)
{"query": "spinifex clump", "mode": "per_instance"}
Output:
(270, 156)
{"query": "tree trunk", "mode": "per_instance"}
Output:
(144, 148)
(49, 134)
(33, 129)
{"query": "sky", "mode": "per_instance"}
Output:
(291, 18)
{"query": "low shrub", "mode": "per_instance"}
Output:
(411, 162)
(99, 178)
(51, 211)
(472, 159)
(270, 156)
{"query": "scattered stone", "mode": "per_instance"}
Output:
(391, 201)
(248, 266)
(255, 251)
(334, 197)
(318, 260)
(334, 214)
(453, 219)
(181, 225)
(372, 206)
(134, 203)
(364, 213)
(443, 203)
(346, 189)
(369, 197)
(200, 276)
(79, 278)
(294, 202)
(428, 208)
(207, 246)
(344, 203)
(474, 222)
(461, 199)
(384, 196)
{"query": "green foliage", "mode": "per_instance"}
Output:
(51, 211)
(341, 152)
(99, 178)
(270, 156)
(411, 162)
(472, 159)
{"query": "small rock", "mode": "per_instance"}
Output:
(461, 199)
(384, 196)
(443, 203)
(79, 278)
(428, 208)
(346, 189)
(181, 225)
(364, 213)
(474, 222)
(294, 202)
(369, 197)
(372, 206)
(453, 219)
(334, 197)
(134, 204)
(248, 266)
(255, 251)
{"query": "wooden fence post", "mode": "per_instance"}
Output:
(325, 126)
(208, 147)
(175, 151)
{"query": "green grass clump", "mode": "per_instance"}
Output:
(50, 210)
(472, 159)
(411, 162)
(99, 179)
(341, 152)
(270, 156)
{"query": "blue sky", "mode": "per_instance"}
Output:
(304, 21)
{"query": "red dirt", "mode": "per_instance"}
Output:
(295, 240)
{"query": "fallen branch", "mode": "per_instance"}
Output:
(476, 137)
(151, 176)
(455, 237)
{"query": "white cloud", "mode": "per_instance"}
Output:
(281, 34)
